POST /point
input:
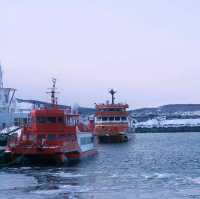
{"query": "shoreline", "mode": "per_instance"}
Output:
(185, 129)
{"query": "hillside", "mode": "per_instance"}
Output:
(171, 111)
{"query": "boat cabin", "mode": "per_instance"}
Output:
(111, 113)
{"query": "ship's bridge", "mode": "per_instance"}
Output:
(111, 107)
(52, 119)
(111, 113)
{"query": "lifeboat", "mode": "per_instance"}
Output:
(52, 135)
(112, 124)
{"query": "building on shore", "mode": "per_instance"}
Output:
(12, 112)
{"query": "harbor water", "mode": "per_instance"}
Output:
(150, 166)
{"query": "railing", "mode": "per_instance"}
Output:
(113, 122)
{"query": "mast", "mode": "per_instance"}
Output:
(53, 92)
(112, 92)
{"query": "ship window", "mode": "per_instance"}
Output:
(86, 140)
(41, 120)
(60, 120)
(25, 120)
(41, 137)
(123, 118)
(98, 118)
(117, 118)
(104, 118)
(51, 137)
(51, 120)
(62, 137)
(6, 98)
(82, 141)
(111, 118)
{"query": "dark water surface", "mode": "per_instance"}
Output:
(156, 166)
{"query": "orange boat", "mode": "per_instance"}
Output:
(111, 121)
(52, 135)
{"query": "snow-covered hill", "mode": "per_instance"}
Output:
(156, 123)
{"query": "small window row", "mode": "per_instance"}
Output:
(49, 120)
(104, 119)
(112, 110)
(50, 137)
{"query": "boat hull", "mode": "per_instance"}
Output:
(119, 138)
(50, 159)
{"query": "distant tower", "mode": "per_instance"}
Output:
(112, 92)
(1, 77)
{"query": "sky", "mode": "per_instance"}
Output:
(147, 50)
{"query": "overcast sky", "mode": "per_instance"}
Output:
(148, 50)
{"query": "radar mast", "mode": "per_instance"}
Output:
(53, 92)
(112, 92)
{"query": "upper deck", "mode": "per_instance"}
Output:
(111, 112)
(116, 107)
(52, 118)
(119, 107)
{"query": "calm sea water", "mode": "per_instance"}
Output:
(152, 166)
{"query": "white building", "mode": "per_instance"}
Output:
(11, 112)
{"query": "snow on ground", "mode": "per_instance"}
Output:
(168, 123)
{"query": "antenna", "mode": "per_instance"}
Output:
(112, 92)
(53, 92)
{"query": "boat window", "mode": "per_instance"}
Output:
(117, 118)
(51, 120)
(62, 137)
(123, 118)
(98, 118)
(60, 120)
(41, 120)
(76, 122)
(104, 118)
(71, 121)
(86, 140)
(111, 118)
(41, 137)
(83, 141)
(51, 137)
